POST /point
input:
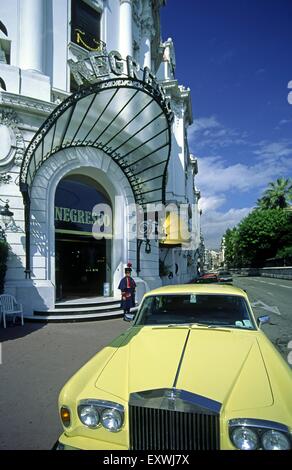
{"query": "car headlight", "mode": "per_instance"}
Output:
(112, 420)
(95, 413)
(251, 434)
(275, 440)
(244, 438)
(89, 416)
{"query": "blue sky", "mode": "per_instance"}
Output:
(236, 56)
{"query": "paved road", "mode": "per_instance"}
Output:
(38, 359)
(271, 297)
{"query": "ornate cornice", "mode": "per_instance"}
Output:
(176, 92)
(24, 103)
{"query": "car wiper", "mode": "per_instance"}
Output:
(172, 325)
(192, 326)
(183, 325)
(221, 328)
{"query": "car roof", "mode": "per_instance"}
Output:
(198, 289)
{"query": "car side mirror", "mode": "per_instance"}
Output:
(262, 320)
(129, 317)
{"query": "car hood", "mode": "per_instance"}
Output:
(223, 365)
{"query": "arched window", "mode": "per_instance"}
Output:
(3, 28)
(5, 46)
(2, 84)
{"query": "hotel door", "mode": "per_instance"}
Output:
(83, 261)
(81, 267)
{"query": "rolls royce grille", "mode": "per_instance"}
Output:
(160, 429)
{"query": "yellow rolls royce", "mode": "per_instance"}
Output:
(193, 372)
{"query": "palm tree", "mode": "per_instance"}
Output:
(277, 196)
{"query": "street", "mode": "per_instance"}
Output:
(271, 297)
(37, 360)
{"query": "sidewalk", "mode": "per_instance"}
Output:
(37, 360)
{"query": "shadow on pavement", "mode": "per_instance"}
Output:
(15, 331)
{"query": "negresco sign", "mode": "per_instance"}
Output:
(102, 65)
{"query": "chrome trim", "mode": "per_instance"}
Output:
(175, 400)
(260, 427)
(258, 423)
(102, 405)
(181, 360)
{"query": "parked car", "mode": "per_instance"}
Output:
(225, 277)
(194, 371)
(207, 278)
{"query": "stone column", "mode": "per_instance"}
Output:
(146, 51)
(148, 33)
(32, 35)
(126, 35)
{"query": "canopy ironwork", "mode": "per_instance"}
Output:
(128, 119)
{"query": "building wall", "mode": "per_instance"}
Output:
(39, 31)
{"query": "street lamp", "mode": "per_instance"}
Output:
(147, 227)
(6, 217)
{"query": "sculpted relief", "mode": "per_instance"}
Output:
(12, 142)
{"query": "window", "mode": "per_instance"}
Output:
(85, 26)
(209, 309)
(5, 45)
(2, 84)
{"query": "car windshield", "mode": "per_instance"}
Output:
(210, 310)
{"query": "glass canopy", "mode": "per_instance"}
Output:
(126, 118)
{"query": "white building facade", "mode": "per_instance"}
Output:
(92, 117)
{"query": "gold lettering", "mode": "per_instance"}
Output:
(81, 41)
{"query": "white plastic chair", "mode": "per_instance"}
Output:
(9, 307)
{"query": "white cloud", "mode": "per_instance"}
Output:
(211, 202)
(283, 122)
(274, 150)
(221, 182)
(217, 177)
(208, 132)
(215, 224)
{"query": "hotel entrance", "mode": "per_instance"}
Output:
(83, 262)
(81, 267)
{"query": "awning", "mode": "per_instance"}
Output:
(175, 230)
(126, 118)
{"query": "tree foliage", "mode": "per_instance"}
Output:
(261, 235)
(277, 196)
(266, 232)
